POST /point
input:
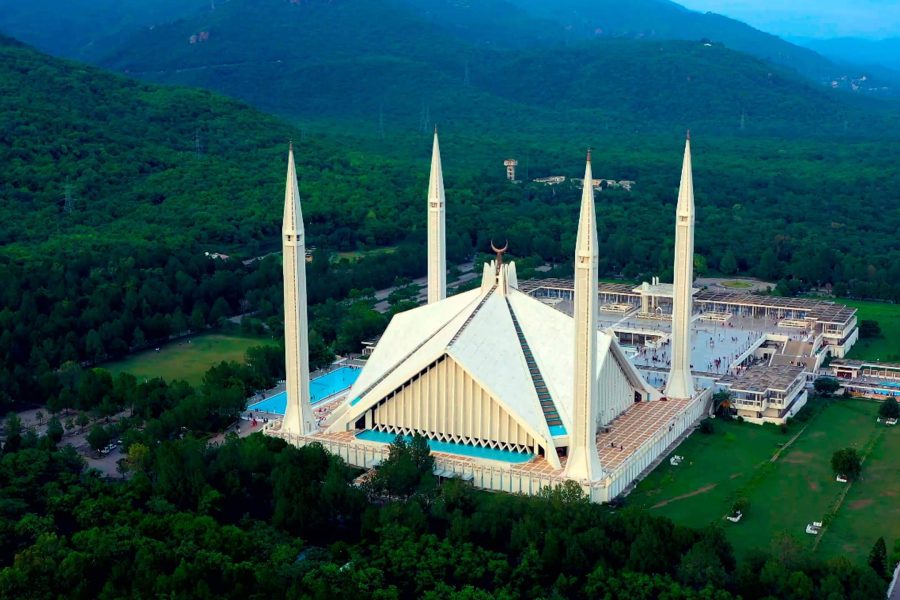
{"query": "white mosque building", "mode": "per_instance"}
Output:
(512, 394)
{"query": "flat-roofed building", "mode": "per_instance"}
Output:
(767, 394)
(869, 379)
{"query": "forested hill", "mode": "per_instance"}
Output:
(666, 20)
(81, 28)
(148, 165)
(371, 60)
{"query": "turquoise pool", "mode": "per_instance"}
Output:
(320, 388)
(452, 448)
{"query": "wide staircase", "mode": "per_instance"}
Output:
(550, 413)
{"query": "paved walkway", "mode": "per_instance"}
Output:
(467, 273)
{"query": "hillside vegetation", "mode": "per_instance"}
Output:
(82, 28)
(384, 59)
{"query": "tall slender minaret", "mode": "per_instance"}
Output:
(298, 416)
(584, 462)
(437, 231)
(681, 382)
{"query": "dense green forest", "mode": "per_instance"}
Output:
(125, 267)
(256, 518)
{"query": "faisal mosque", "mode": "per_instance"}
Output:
(512, 394)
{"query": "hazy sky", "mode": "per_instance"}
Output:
(811, 18)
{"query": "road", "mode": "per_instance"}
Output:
(467, 273)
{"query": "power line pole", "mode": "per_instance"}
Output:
(68, 201)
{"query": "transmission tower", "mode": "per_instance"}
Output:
(68, 201)
(197, 142)
(425, 119)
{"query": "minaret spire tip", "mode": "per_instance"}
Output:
(589, 154)
(688, 137)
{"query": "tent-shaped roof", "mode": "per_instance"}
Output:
(516, 347)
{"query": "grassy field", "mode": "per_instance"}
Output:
(786, 493)
(737, 284)
(357, 254)
(188, 361)
(887, 347)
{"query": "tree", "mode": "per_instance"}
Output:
(12, 428)
(138, 340)
(198, 318)
(740, 505)
(138, 457)
(878, 558)
(889, 409)
(55, 430)
(728, 265)
(220, 311)
(826, 386)
(401, 473)
(39, 415)
(768, 267)
(93, 346)
(82, 421)
(869, 329)
(98, 437)
(57, 402)
(846, 462)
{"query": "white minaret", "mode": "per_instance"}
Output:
(298, 416)
(437, 231)
(681, 382)
(584, 461)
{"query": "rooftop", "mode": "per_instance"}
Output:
(762, 378)
(847, 362)
(822, 311)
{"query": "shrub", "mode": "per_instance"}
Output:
(889, 409)
(826, 386)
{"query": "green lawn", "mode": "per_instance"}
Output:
(788, 493)
(737, 284)
(885, 348)
(188, 361)
(357, 254)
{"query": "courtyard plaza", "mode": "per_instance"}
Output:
(715, 346)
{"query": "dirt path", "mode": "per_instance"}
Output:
(789, 442)
(696, 492)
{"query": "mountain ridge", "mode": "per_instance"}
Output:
(368, 60)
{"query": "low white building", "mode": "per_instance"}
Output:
(767, 393)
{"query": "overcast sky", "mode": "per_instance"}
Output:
(811, 18)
